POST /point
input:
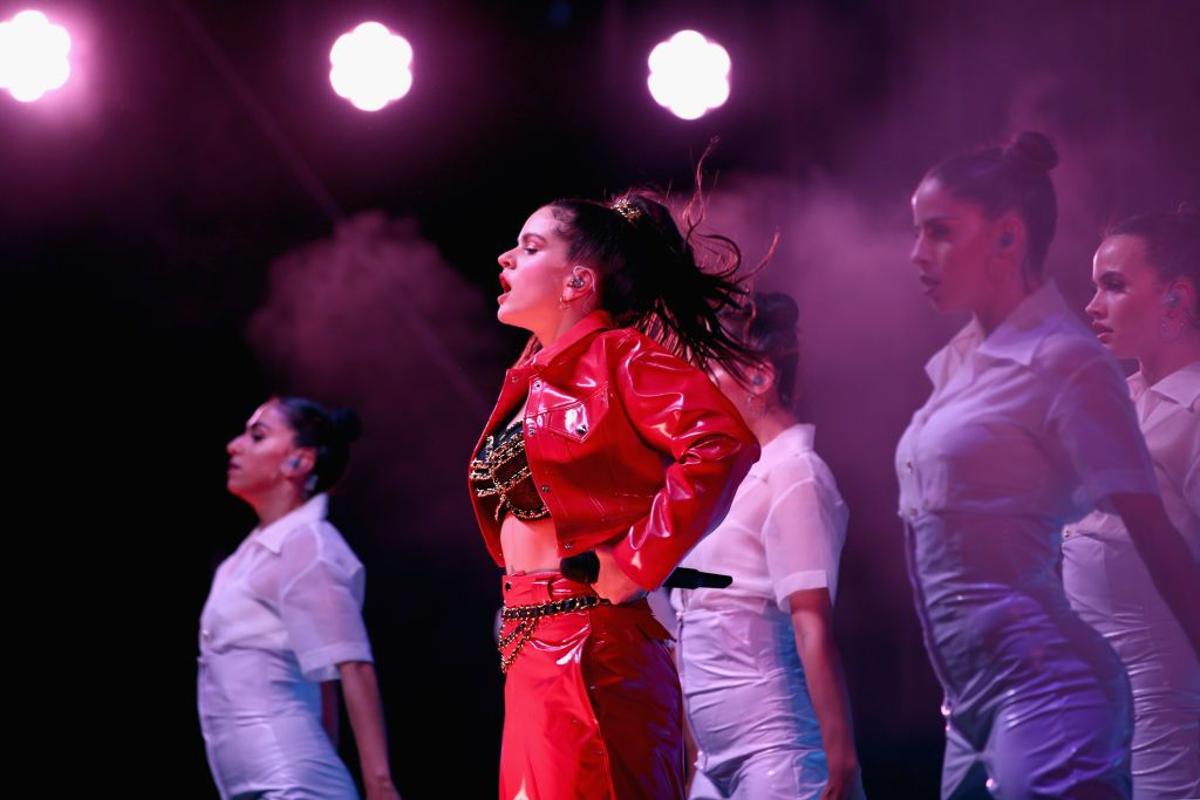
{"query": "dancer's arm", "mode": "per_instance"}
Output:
(1171, 564)
(365, 710)
(812, 621)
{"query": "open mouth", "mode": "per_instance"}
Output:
(505, 289)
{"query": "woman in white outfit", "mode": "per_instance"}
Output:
(1028, 427)
(761, 675)
(283, 620)
(1146, 307)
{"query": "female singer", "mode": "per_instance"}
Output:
(608, 440)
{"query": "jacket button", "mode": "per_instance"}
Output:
(568, 545)
(545, 488)
(514, 378)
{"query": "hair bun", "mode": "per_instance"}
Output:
(773, 312)
(1031, 150)
(346, 424)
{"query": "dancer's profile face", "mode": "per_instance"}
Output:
(1129, 301)
(260, 456)
(954, 241)
(534, 273)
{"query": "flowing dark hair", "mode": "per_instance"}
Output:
(668, 280)
(1015, 177)
(329, 432)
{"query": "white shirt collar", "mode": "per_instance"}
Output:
(798, 437)
(272, 536)
(1016, 338)
(1181, 386)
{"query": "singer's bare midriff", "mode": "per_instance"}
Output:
(529, 546)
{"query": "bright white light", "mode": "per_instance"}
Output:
(33, 56)
(689, 75)
(371, 66)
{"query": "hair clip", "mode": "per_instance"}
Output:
(626, 209)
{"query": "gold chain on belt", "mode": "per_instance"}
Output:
(527, 618)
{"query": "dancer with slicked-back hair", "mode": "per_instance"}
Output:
(283, 621)
(1028, 427)
(608, 455)
(762, 677)
(1147, 307)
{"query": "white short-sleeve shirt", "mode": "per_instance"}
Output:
(1031, 421)
(784, 531)
(295, 586)
(1169, 415)
(1026, 429)
(742, 678)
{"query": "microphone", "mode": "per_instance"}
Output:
(688, 578)
(585, 568)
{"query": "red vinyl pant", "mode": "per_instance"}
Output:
(592, 704)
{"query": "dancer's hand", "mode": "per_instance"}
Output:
(383, 789)
(613, 584)
(845, 779)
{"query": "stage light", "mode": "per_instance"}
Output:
(689, 75)
(371, 66)
(33, 56)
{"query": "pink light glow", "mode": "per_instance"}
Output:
(372, 66)
(689, 75)
(33, 56)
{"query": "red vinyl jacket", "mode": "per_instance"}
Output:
(628, 445)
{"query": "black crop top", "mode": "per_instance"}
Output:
(500, 470)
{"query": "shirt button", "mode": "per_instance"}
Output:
(908, 465)
(207, 634)
(537, 384)
(514, 378)
(545, 488)
(912, 513)
(568, 545)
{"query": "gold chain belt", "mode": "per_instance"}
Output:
(527, 618)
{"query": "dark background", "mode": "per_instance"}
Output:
(196, 221)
